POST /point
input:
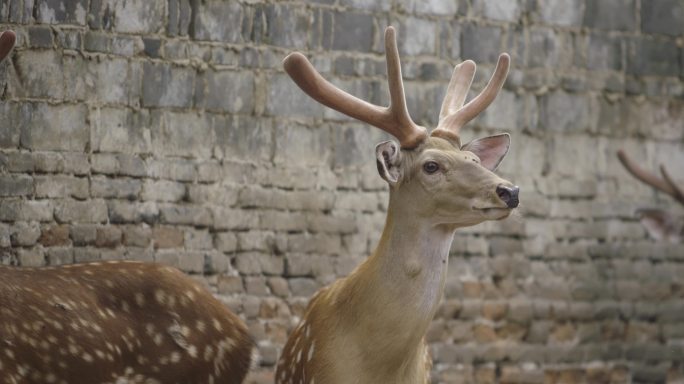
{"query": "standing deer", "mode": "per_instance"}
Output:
(370, 326)
(115, 322)
(659, 223)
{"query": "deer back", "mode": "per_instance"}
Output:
(115, 321)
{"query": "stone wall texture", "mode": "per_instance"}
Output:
(166, 130)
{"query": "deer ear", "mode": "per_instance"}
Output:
(491, 150)
(388, 157)
(658, 223)
(7, 40)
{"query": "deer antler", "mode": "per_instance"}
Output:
(454, 114)
(7, 40)
(394, 119)
(666, 184)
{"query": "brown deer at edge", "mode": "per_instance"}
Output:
(115, 322)
(369, 327)
(659, 223)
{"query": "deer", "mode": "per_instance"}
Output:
(370, 326)
(117, 322)
(660, 224)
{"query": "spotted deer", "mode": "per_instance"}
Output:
(115, 322)
(659, 223)
(370, 326)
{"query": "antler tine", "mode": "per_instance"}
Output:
(394, 119)
(644, 175)
(450, 125)
(461, 80)
(397, 108)
(7, 40)
(678, 192)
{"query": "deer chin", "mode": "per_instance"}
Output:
(494, 213)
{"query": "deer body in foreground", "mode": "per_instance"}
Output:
(115, 322)
(369, 327)
(659, 223)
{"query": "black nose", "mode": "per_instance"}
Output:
(509, 195)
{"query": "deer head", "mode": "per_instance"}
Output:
(369, 327)
(660, 224)
(431, 175)
(7, 40)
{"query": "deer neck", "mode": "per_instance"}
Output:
(397, 291)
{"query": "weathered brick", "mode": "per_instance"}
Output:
(225, 241)
(170, 135)
(135, 16)
(136, 236)
(163, 190)
(565, 112)
(26, 210)
(610, 14)
(167, 237)
(108, 237)
(663, 16)
(353, 32)
(56, 235)
(48, 127)
(60, 186)
(418, 36)
(61, 11)
(226, 91)
(241, 137)
(185, 214)
(117, 130)
(132, 212)
(480, 43)
(648, 56)
(191, 262)
(234, 218)
(230, 285)
(217, 20)
(82, 234)
(165, 85)
(287, 26)
(366, 4)
(71, 211)
(40, 37)
(16, 185)
(32, 257)
(59, 256)
(284, 98)
(297, 144)
(560, 12)
(198, 239)
(300, 286)
(498, 10)
(605, 52)
(115, 188)
(16, 162)
(48, 70)
(24, 234)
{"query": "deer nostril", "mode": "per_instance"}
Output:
(509, 195)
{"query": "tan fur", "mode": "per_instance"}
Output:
(369, 327)
(115, 322)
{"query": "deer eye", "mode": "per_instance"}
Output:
(430, 167)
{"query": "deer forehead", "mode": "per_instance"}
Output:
(439, 150)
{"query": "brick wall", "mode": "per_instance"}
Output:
(166, 130)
